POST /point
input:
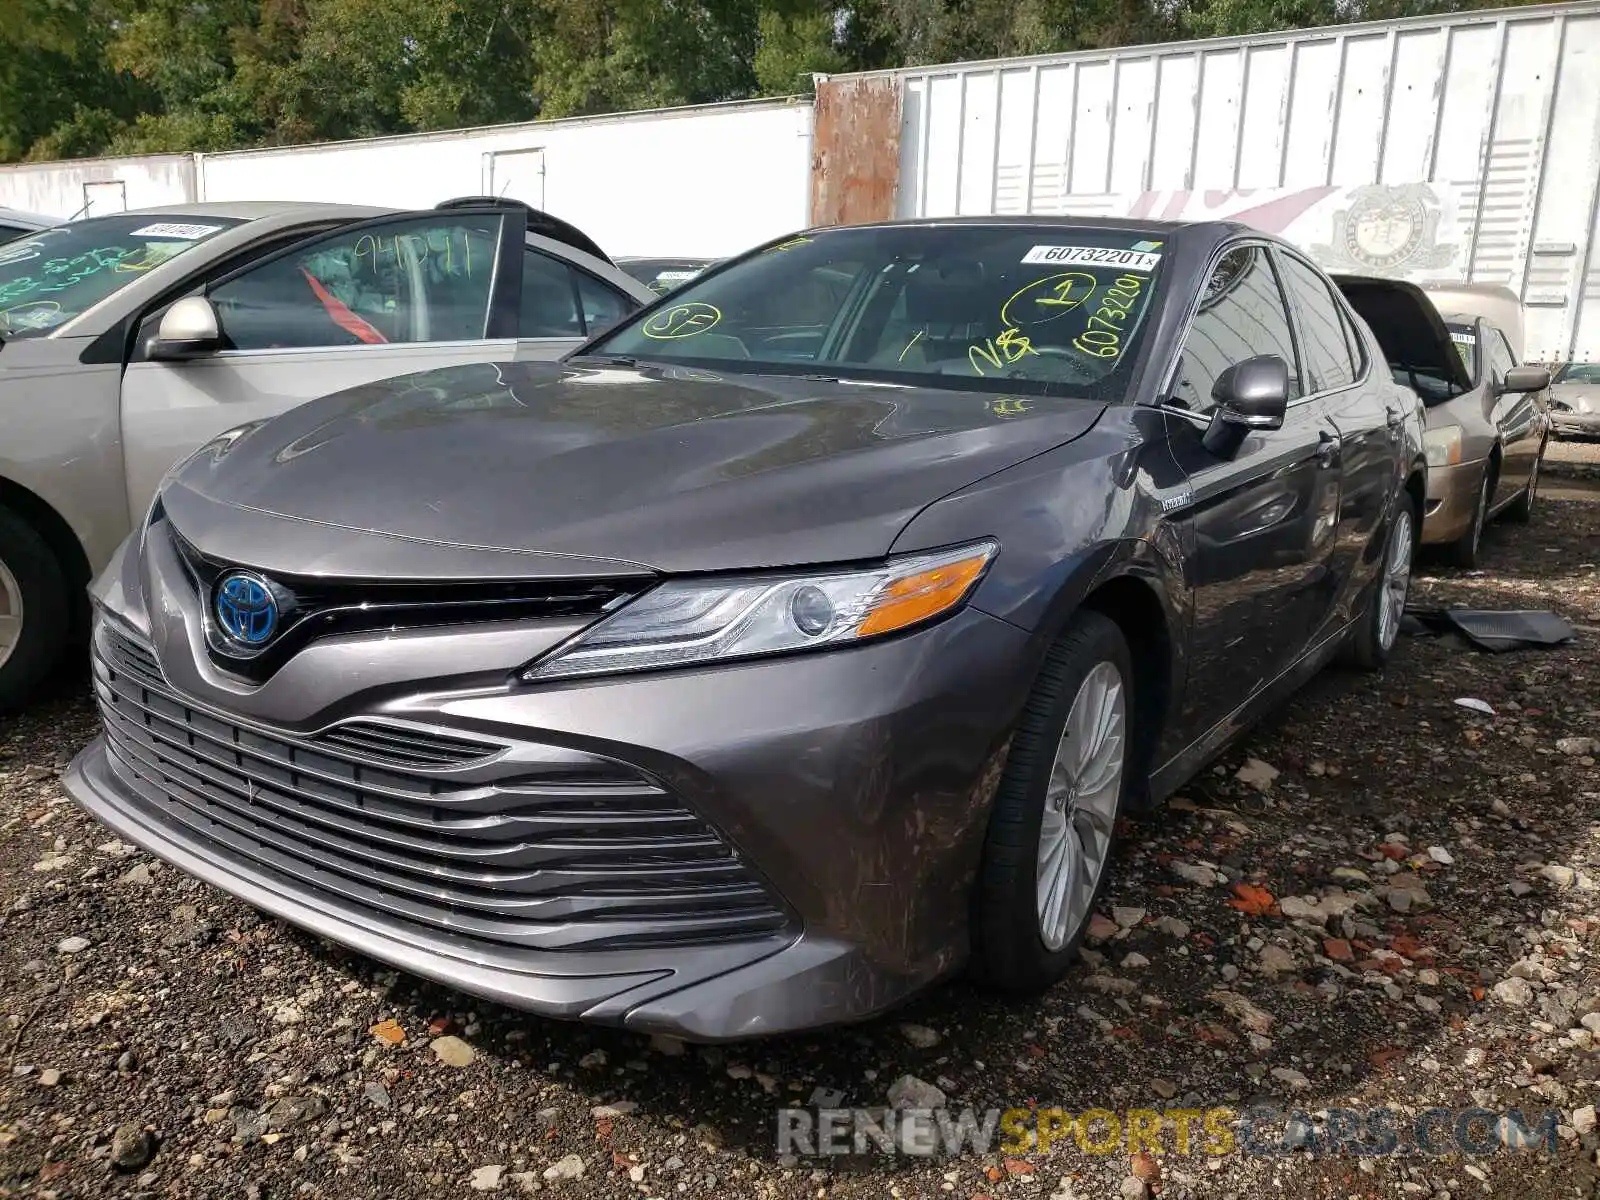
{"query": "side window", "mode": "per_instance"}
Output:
(603, 307)
(549, 305)
(420, 280)
(1500, 356)
(1242, 314)
(1327, 352)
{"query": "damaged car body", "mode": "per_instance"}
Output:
(788, 647)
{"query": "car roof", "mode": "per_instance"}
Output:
(1046, 220)
(23, 217)
(255, 210)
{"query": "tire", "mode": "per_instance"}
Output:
(1013, 952)
(1520, 511)
(1463, 552)
(1372, 641)
(29, 572)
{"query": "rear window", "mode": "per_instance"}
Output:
(1042, 310)
(50, 277)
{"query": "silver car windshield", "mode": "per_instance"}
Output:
(1033, 309)
(1579, 372)
(50, 277)
(1465, 340)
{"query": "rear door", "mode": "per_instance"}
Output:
(368, 301)
(1366, 413)
(1262, 521)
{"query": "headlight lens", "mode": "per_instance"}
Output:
(705, 620)
(1442, 447)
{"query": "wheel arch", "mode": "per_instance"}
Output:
(50, 526)
(1135, 588)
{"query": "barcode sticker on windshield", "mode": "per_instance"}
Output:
(1128, 260)
(186, 233)
(675, 276)
(1466, 339)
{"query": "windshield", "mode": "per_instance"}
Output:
(50, 277)
(1465, 339)
(1045, 310)
(1579, 373)
(661, 275)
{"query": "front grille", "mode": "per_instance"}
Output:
(549, 851)
(324, 608)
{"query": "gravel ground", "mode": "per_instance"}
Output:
(1404, 915)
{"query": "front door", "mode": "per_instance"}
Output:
(362, 304)
(1515, 416)
(1261, 521)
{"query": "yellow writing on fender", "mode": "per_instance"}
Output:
(998, 352)
(682, 320)
(1100, 1131)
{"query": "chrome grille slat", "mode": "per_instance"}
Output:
(592, 856)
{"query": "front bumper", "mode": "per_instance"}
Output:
(855, 784)
(1452, 501)
(1577, 424)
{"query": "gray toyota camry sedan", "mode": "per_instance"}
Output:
(790, 646)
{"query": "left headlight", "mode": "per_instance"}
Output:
(690, 621)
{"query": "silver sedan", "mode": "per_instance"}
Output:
(127, 341)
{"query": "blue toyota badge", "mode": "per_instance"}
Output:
(247, 609)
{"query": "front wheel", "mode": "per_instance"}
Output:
(1377, 629)
(1463, 552)
(1053, 825)
(35, 610)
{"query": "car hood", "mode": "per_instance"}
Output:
(1580, 397)
(1407, 325)
(548, 468)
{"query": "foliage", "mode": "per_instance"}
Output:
(82, 77)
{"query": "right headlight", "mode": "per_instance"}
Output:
(682, 622)
(1442, 447)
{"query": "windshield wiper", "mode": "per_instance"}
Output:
(615, 360)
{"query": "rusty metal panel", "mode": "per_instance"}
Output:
(855, 150)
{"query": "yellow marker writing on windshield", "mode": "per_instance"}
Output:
(998, 352)
(1046, 299)
(682, 320)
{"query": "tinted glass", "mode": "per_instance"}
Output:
(419, 280)
(1241, 315)
(49, 277)
(1326, 348)
(1500, 358)
(602, 306)
(1465, 340)
(549, 300)
(1043, 310)
(1579, 373)
(662, 275)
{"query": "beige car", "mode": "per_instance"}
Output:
(1486, 425)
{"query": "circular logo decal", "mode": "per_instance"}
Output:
(682, 320)
(1385, 231)
(246, 609)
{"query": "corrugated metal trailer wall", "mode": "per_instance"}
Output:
(1436, 148)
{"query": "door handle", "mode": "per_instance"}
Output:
(1327, 449)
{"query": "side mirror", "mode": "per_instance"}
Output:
(189, 329)
(1253, 394)
(1525, 379)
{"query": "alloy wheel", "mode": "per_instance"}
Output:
(1396, 579)
(10, 612)
(1080, 804)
